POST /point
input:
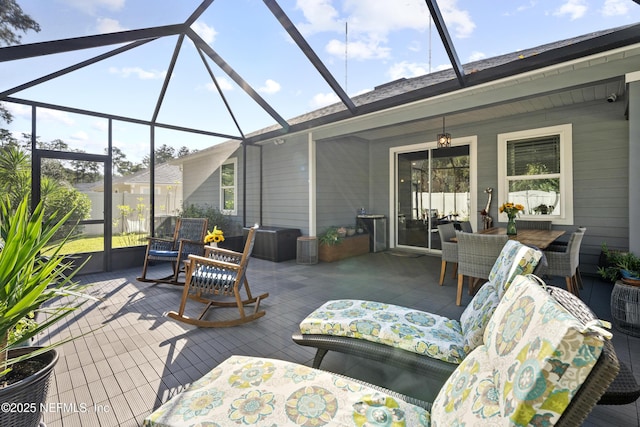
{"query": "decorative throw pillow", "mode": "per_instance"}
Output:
(514, 259)
(534, 358)
(475, 317)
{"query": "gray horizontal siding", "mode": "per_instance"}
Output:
(342, 181)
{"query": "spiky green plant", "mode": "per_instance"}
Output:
(29, 280)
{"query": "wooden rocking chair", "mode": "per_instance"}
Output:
(188, 238)
(220, 272)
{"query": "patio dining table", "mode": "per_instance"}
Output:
(538, 238)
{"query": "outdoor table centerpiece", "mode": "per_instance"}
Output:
(511, 209)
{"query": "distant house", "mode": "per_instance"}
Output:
(131, 199)
(562, 119)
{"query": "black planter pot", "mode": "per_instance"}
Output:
(21, 401)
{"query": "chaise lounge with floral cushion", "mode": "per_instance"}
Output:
(544, 360)
(410, 338)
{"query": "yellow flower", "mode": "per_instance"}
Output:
(511, 209)
(215, 236)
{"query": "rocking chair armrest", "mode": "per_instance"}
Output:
(212, 262)
(228, 252)
(158, 243)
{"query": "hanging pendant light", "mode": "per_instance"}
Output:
(444, 138)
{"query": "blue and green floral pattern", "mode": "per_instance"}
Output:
(515, 259)
(289, 395)
(534, 358)
(412, 330)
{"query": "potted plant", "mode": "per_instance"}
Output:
(335, 244)
(619, 265)
(27, 281)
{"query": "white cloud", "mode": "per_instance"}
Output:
(321, 16)
(18, 110)
(108, 25)
(457, 20)
(91, 6)
(54, 116)
(138, 72)
(476, 56)
(270, 87)
(407, 69)
(101, 125)
(80, 136)
(615, 8)
(323, 99)
(370, 22)
(207, 33)
(223, 82)
(359, 50)
(575, 9)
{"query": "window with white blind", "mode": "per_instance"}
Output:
(228, 186)
(535, 170)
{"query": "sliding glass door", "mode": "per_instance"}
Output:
(432, 186)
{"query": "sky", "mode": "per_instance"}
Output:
(363, 43)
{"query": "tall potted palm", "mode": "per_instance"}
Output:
(28, 280)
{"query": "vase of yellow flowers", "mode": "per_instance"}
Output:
(214, 237)
(511, 209)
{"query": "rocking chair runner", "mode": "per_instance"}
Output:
(188, 238)
(220, 272)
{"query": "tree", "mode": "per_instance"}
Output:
(13, 19)
(184, 151)
(162, 155)
(121, 165)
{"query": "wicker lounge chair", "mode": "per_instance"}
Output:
(384, 332)
(574, 365)
(216, 280)
(188, 238)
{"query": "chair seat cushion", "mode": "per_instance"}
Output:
(163, 254)
(412, 330)
(268, 392)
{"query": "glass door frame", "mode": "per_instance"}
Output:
(37, 157)
(472, 142)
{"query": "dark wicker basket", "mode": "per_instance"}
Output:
(23, 399)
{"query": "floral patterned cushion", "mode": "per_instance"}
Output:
(268, 392)
(475, 317)
(515, 259)
(534, 358)
(412, 330)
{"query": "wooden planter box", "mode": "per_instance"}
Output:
(350, 246)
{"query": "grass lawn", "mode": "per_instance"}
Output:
(96, 244)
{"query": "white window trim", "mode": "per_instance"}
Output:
(565, 217)
(234, 161)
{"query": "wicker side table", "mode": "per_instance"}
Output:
(625, 308)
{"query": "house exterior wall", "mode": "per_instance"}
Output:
(343, 181)
(353, 173)
(600, 169)
(285, 185)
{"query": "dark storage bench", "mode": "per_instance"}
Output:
(275, 243)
